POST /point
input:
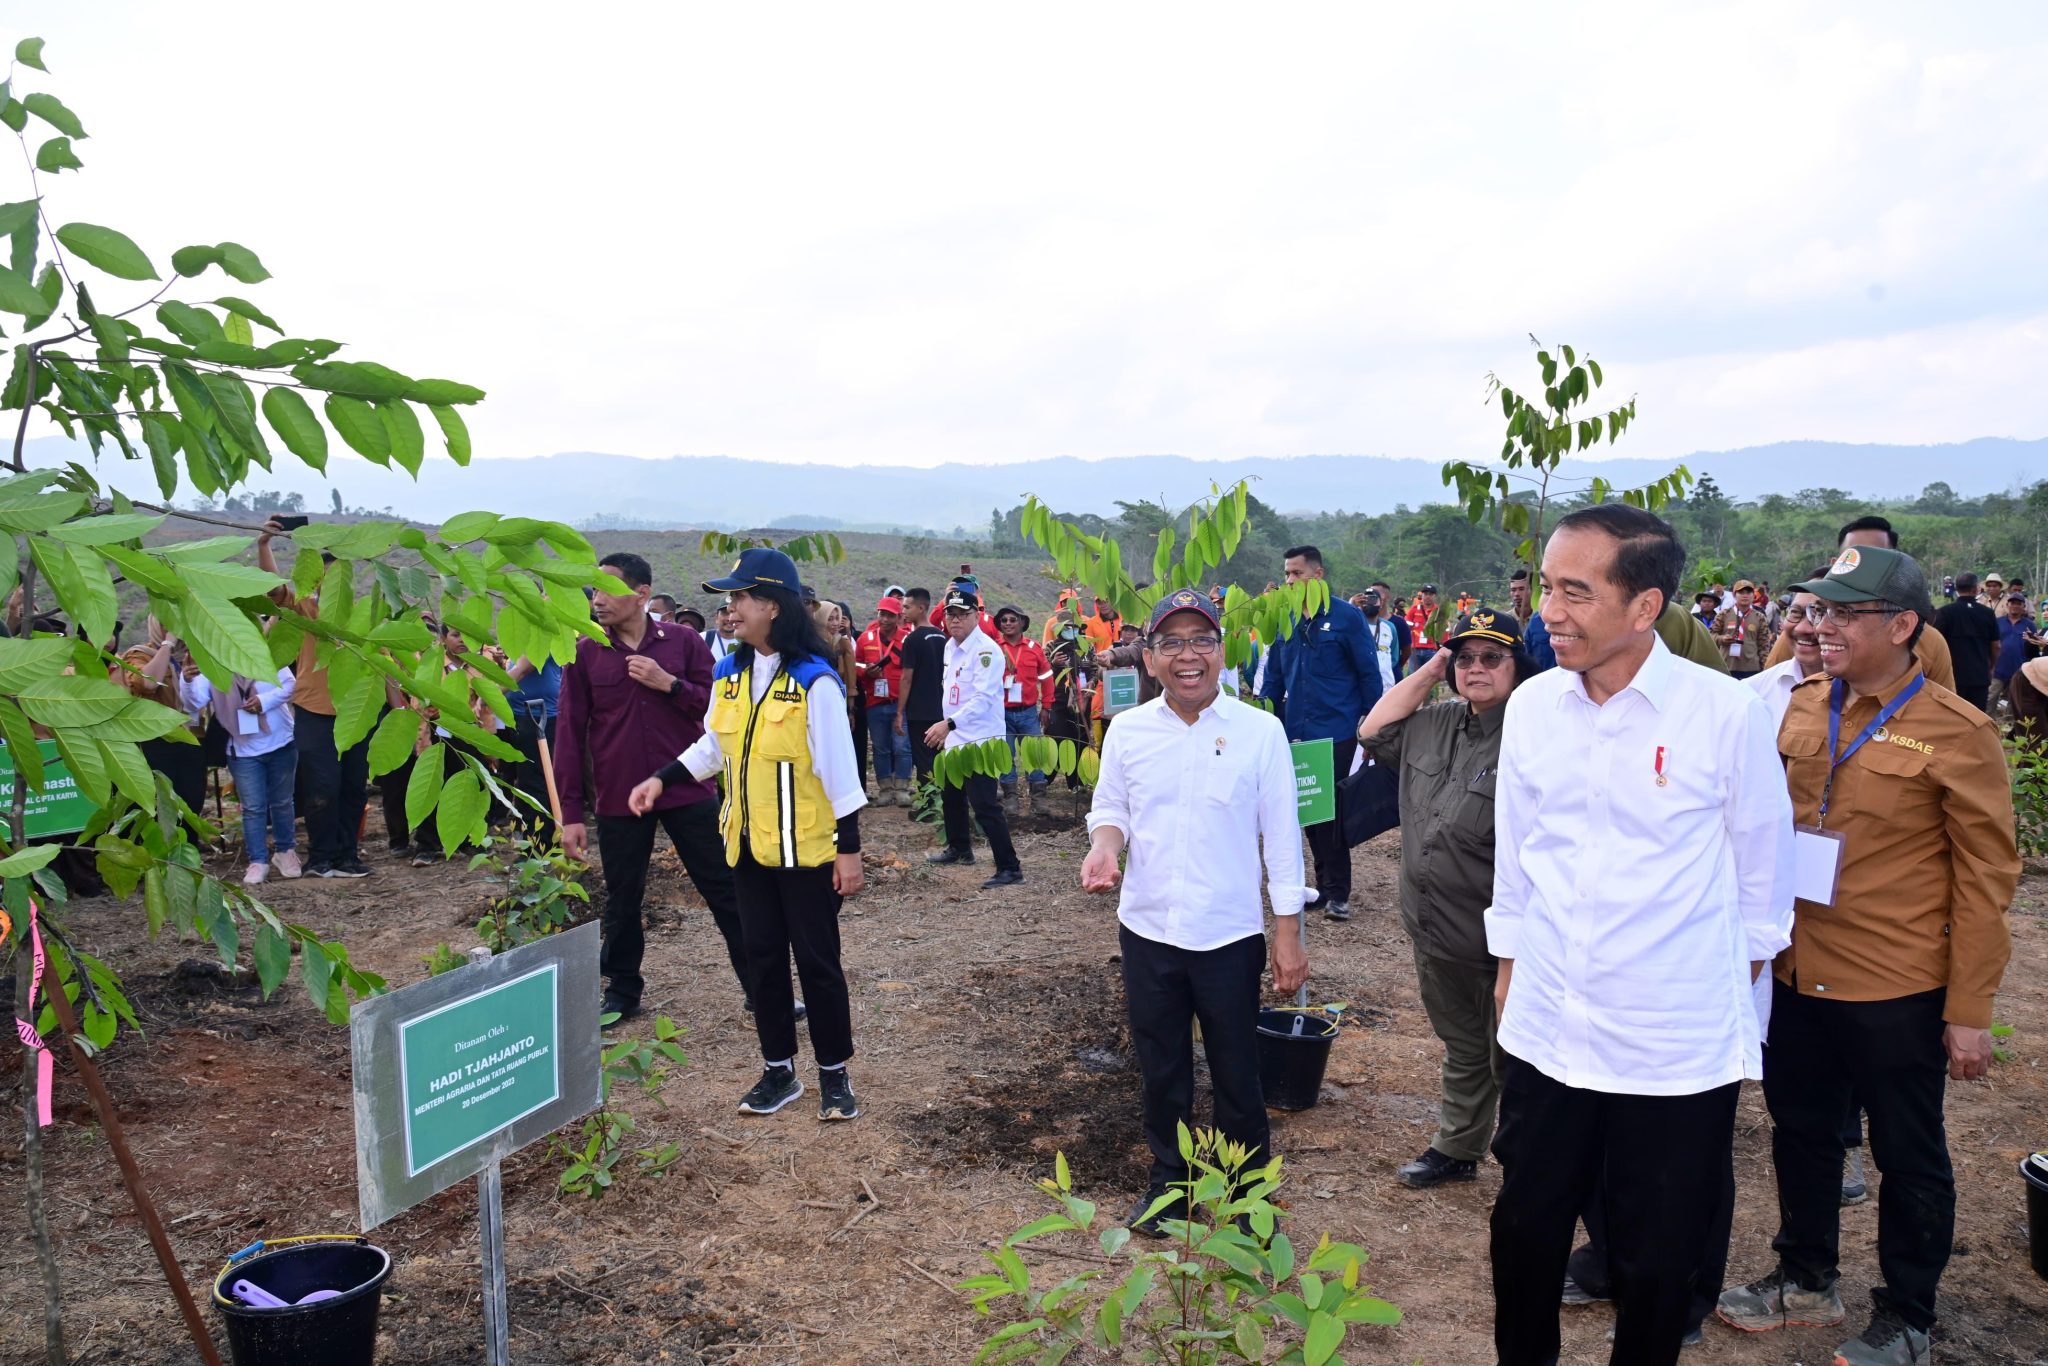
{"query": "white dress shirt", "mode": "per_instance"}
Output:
(827, 730)
(972, 695)
(1774, 685)
(1386, 646)
(1633, 907)
(277, 729)
(1195, 804)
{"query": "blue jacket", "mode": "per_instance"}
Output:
(1536, 640)
(1328, 674)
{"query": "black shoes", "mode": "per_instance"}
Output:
(835, 1095)
(1337, 910)
(1150, 1227)
(615, 1004)
(950, 855)
(1434, 1169)
(778, 1087)
(1009, 877)
(346, 868)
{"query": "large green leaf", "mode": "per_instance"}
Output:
(393, 743)
(423, 788)
(194, 260)
(273, 954)
(21, 741)
(72, 700)
(292, 418)
(244, 309)
(141, 719)
(408, 443)
(22, 862)
(23, 661)
(212, 550)
(84, 588)
(56, 155)
(18, 295)
(191, 323)
(228, 580)
(443, 391)
(227, 634)
(459, 817)
(361, 426)
(355, 712)
(126, 765)
(51, 110)
(14, 217)
(29, 52)
(454, 431)
(240, 262)
(107, 530)
(114, 252)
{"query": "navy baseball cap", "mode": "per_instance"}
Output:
(1183, 600)
(758, 567)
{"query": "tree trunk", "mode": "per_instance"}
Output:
(32, 1164)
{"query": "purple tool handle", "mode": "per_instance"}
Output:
(256, 1296)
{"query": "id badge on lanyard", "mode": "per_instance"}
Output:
(1817, 851)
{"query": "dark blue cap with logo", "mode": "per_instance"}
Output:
(756, 568)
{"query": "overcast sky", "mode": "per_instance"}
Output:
(909, 234)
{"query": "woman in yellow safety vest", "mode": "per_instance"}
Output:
(778, 733)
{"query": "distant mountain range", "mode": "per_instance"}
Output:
(721, 491)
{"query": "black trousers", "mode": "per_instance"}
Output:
(1326, 841)
(392, 788)
(1169, 988)
(625, 845)
(1588, 1265)
(858, 714)
(1977, 695)
(981, 793)
(920, 752)
(527, 775)
(1889, 1055)
(1662, 1160)
(785, 912)
(336, 787)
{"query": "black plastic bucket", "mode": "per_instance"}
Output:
(2035, 1170)
(334, 1332)
(1294, 1048)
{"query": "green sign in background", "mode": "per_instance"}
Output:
(58, 807)
(1120, 690)
(1315, 781)
(478, 1065)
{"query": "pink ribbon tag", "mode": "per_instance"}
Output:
(25, 1029)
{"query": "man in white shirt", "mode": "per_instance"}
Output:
(1642, 880)
(972, 699)
(1775, 684)
(1193, 785)
(1388, 639)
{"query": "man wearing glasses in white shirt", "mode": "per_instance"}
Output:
(1642, 880)
(1193, 784)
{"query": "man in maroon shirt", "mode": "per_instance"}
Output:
(633, 704)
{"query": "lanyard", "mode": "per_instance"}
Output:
(1838, 691)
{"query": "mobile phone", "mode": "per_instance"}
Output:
(292, 522)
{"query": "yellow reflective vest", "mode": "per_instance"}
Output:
(774, 801)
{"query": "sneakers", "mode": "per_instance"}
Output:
(835, 1095)
(1337, 910)
(1138, 1223)
(424, 860)
(778, 1087)
(1575, 1293)
(1434, 1169)
(287, 864)
(1778, 1302)
(346, 868)
(1008, 877)
(1886, 1342)
(257, 872)
(1855, 1189)
(950, 855)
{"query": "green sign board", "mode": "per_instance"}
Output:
(58, 807)
(1315, 781)
(478, 1065)
(1119, 690)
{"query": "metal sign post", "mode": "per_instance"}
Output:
(455, 1073)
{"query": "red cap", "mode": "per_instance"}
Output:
(890, 604)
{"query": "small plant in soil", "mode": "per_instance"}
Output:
(1216, 1290)
(543, 892)
(599, 1143)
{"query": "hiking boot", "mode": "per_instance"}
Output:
(287, 863)
(1008, 877)
(1010, 807)
(1434, 1169)
(778, 1087)
(950, 855)
(903, 797)
(835, 1095)
(1855, 1189)
(1576, 1293)
(1777, 1301)
(1888, 1341)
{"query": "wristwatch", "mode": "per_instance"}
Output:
(952, 725)
(675, 685)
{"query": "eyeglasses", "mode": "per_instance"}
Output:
(1479, 659)
(1169, 646)
(1839, 615)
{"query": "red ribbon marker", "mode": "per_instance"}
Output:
(24, 1025)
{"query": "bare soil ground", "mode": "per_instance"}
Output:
(991, 1034)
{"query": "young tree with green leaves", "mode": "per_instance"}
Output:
(1540, 434)
(167, 374)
